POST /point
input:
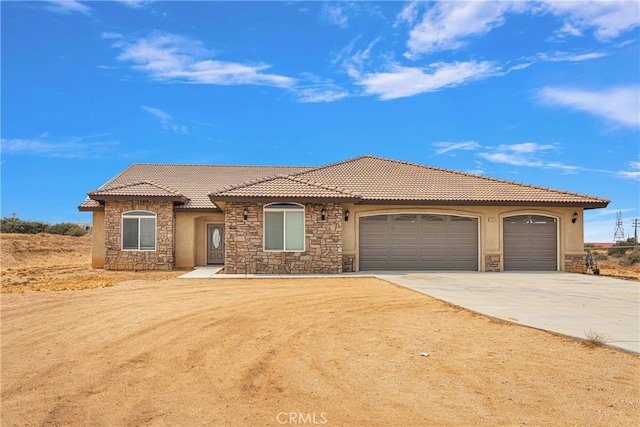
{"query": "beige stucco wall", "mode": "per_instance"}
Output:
(97, 240)
(191, 238)
(570, 235)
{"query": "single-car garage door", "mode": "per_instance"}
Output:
(530, 243)
(418, 242)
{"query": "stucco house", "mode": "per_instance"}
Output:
(365, 213)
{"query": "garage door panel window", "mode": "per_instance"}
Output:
(284, 227)
(138, 231)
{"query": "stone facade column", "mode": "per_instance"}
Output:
(160, 259)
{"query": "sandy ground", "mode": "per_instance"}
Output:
(337, 352)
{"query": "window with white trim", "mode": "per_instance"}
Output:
(138, 231)
(284, 227)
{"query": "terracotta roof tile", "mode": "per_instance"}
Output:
(194, 182)
(283, 187)
(380, 179)
(365, 179)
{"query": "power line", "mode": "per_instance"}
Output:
(635, 225)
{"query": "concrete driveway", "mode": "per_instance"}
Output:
(570, 304)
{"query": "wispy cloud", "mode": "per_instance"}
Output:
(447, 25)
(401, 81)
(166, 120)
(76, 147)
(558, 56)
(608, 19)
(523, 154)
(334, 14)
(620, 105)
(67, 6)
(632, 173)
(169, 57)
(135, 4)
(446, 147)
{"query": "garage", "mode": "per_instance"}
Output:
(418, 242)
(530, 243)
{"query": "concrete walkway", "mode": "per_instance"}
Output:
(569, 304)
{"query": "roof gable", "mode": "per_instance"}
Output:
(138, 190)
(284, 188)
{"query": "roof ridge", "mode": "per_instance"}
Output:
(246, 183)
(324, 186)
(328, 165)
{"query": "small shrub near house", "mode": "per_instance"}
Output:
(620, 248)
(16, 225)
(631, 259)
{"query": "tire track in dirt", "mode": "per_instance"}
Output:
(238, 352)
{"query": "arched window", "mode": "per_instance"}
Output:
(284, 227)
(138, 231)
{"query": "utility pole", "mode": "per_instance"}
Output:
(618, 235)
(635, 225)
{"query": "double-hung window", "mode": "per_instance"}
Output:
(284, 227)
(139, 231)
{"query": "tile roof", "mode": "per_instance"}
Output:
(365, 179)
(378, 179)
(140, 189)
(194, 182)
(284, 188)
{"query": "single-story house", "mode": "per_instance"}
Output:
(365, 213)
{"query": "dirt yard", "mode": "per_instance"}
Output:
(336, 352)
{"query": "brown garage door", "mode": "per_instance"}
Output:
(530, 243)
(418, 242)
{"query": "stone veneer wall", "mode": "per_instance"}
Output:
(244, 252)
(492, 263)
(575, 263)
(160, 259)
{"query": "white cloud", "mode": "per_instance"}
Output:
(135, 4)
(75, 147)
(608, 19)
(173, 58)
(568, 56)
(401, 81)
(633, 173)
(523, 154)
(67, 6)
(447, 24)
(334, 14)
(166, 120)
(446, 147)
(620, 105)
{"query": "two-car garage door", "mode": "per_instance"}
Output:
(449, 242)
(418, 242)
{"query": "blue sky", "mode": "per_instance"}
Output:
(545, 93)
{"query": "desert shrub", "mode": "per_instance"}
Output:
(620, 248)
(601, 257)
(16, 225)
(631, 259)
(65, 228)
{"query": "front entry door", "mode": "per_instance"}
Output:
(215, 244)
